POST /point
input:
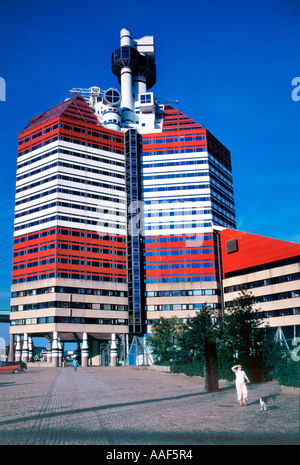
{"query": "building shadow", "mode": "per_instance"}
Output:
(102, 407)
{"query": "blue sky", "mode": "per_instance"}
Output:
(229, 63)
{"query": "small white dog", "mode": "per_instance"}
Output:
(263, 403)
(264, 400)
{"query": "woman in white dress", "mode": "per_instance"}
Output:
(240, 383)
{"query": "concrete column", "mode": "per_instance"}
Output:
(60, 352)
(84, 350)
(30, 348)
(55, 349)
(127, 104)
(18, 349)
(127, 345)
(78, 352)
(139, 86)
(11, 353)
(25, 348)
(49, 352)
(113, 351)
(126, 88)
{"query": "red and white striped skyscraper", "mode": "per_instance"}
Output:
(118, 199)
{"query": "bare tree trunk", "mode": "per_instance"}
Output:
(211, 366)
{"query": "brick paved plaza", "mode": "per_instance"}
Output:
(137, 406)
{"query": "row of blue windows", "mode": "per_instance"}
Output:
(164, 213)
(263, 282)
(224, 221)
(101, 135)
(182, 292)
(39, 134)
(160, 227)
(183, 279)
(220, 207)
(108, 148)
(176, 187)
(68, 290)
(167, 252)
(75, 206)
(280, 312)
(171, 307)
(67, 304)
(175, 175)
(71, 128)
(277, 296)
(174, 163)
(222, 197)
(39, 170)
(272, 297)
(172, 152)
(220, 173)
(71, 166)
(70, 179)
(265, 266)
(69, 261)
(225, 217)
(213, 168)
(71, 219)
(180, 266)
(219, 203)
(100, 263)
(175, 200)
(178, 124)
(222, 212)
(196, 237)
(218, 164)
(224, 187)
(67, 232)
(173, 139)
(60, 190)
(85, 156)
(86, 277)
(73, 320)
(110, 250)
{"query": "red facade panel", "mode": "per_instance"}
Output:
(253, 250)
(56, 251)
(72, 120)
(48, 251)
(179, 257)
(175, 119)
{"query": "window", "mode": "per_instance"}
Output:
(146, 98)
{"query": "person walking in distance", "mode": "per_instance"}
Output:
(75, 364)
(240, 383)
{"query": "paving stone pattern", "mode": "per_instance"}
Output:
(137, 406)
